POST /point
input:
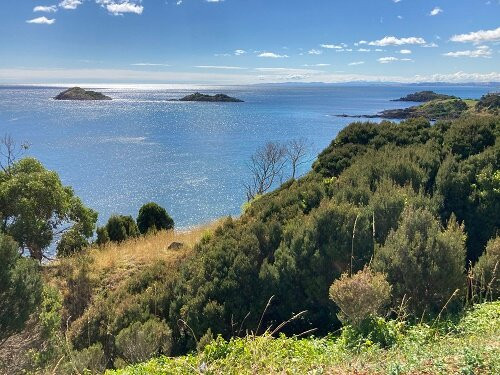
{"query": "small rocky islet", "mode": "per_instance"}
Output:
(77, 93)
(219, 98)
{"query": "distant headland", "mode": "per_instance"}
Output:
(77, 93)
(438, 106)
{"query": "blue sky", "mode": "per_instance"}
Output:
(249, 41)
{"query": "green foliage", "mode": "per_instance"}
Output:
(20, 287)
(361, 296)
(71, 242)
(102, 236)
(385, 347)
(489, 103)
(140, 342)
(90, 360)
(50, 320)
(120, 228)
(486, 272)
(466, 138)
(153, 217)
(423, 262)
(34, 205)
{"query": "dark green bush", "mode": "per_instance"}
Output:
(153, 217)
(120, 228)
(486, 272)
(71, 242)
(20, 287)
(424, 263)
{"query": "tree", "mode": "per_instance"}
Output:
(35, 207)
(296, 153)
(266, 167)
(102, 236)
(20, 287)
(120, 228)
(152, 216)
(424, 262)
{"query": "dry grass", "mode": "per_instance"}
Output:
(114, 262)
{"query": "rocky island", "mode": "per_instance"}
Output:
(424, 96)
(197, 97)
(77, 93)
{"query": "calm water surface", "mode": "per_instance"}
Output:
(189, 157)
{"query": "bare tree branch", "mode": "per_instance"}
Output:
(296, 153)
(266, 167)
(10, 151)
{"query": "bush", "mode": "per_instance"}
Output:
(360, 296)
(142, 341)
(102, 236)
(71, 242)
(20, 287)
(424, 263)
(153, 217)
(487, 271)
(90, 360)
(120, 228)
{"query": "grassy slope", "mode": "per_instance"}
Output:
(471, 346)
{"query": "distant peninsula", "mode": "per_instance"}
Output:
(438, 109)
(424, 96)
(77, 93)
(197, 97)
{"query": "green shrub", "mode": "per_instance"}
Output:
(20, 287)
(486, 272)
(153, 217)
(374, 330)
(102, 236)
(120, 228)
(90, 360)
(360, 296)
(424, 263)
(71, 242)
(142, 341)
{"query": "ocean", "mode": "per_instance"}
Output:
(191, 158)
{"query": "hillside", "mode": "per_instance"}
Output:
(470, 346)
(381, 203)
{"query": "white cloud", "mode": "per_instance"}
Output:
(330, 46)
(363, 50)
(46, 9)
(315, 52)
(405, 52)
(121, 7)
(481, 51)
(219, 67)
(179, 2)
(239, 52)
(430, 45)
(149, 64)
(354, 63)
(391, 59)
(42, 21)
(316, 65)
(387, 60)
(70, 4)
(396, 1)
(273, 55)
(481, 36)
(393, 41)
(214, 1)
(435, 11)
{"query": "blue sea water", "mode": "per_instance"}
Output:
(190, 158)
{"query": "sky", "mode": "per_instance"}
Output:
(249, 41)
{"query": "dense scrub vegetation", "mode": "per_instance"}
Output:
(469, 346)
(400, 211)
